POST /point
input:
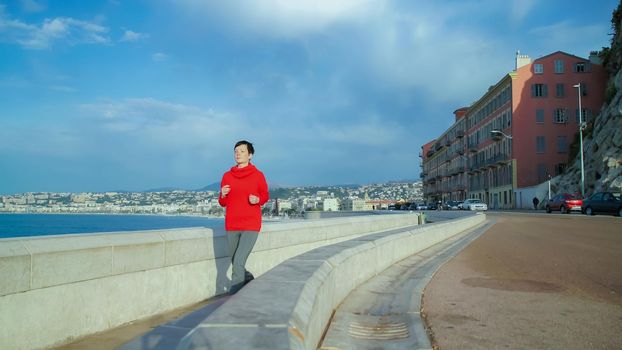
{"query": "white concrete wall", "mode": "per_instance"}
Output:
(527, 193)
(57, 288)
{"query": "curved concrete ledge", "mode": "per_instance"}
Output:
(290, 306)
(70, 286)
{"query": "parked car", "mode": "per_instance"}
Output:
(433, 206)
(422, 206)
(565, 203)
(602, 202)
(451, 205)
(412, 206)
(474, 204)
(460, 205)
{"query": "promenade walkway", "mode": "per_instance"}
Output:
(533, 281)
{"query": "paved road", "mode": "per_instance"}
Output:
(532, 281)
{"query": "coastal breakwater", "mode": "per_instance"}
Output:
(55, 289)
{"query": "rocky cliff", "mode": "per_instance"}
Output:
(602, 143)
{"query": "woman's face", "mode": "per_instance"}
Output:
(242, 157)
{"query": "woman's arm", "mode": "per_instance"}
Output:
(224, 191)
(263, 194)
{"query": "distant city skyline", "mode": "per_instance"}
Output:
(109, 95)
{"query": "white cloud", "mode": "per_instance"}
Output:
(428, 53)
(417, 47)
(32, 6)
(162, 122)
(520, 9)
(131, 36)
(284, 18)
(362, 132)
(575, 39)
(62, 88)
(44, 35)
(159, 57)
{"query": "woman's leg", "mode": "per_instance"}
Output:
(233, 239)
(245, 243)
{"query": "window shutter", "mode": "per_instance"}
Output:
(544, 90)
(533, 90)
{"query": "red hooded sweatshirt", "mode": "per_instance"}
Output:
(240, 214)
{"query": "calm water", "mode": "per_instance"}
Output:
(20, 225)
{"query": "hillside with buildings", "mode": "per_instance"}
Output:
(291, 200)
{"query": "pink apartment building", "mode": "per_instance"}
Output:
(536, 107)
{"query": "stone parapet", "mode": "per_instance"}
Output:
(70, 286)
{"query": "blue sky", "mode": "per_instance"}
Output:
(133, 95)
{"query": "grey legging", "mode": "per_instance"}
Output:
(240, 246)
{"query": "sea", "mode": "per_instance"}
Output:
(24, 225)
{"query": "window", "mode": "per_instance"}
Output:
(579, 67)
(538, 68)
(586, 115)
(539, 144)
(539, 115)
(596, 197)
(559, 116)
(559, 66)
(562, 144)
(538, 90)
(559, 90)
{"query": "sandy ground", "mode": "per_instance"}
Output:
(532, 282)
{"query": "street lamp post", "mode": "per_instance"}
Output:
(499, 132)
(581, 127)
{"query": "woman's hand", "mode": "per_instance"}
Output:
(253, 199)
(224, 191)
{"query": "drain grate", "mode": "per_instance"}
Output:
(378, 331)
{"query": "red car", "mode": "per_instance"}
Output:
(565, 203)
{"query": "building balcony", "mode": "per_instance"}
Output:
(460, 134)
(502, 158)
(448, 142)
(430, 153)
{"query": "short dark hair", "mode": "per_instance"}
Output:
(249, 146)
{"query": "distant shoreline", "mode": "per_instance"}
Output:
(127, 214)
